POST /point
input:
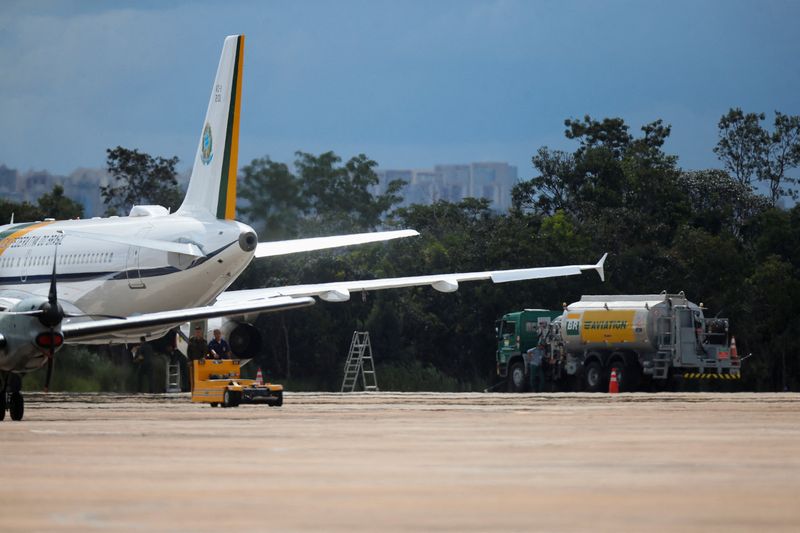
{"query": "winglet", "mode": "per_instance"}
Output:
(599, 267)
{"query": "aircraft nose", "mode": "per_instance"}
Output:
(248, 241)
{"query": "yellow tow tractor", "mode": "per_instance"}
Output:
(219, 382)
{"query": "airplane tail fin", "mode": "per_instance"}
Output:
(212, 186)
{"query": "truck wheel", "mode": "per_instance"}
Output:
(593, 377)
(227, 399)
(633, 377)
(516, 377)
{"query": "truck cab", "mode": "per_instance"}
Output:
(517, 333)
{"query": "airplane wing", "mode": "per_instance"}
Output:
(339, 291)
(269, 249)
(93, 329)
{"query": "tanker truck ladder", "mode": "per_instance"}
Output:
(359, 363)
(666, 347)
(661, 362)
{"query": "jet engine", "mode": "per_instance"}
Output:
(243, 338)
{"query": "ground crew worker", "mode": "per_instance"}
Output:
(535, 357)
(218, 348)
(143, 357)
(197, 350)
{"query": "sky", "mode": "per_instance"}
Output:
(408, 83)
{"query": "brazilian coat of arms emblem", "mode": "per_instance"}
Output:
(207, 145)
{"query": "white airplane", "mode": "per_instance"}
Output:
(123, 279)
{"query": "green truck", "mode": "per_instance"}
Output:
(516, 334)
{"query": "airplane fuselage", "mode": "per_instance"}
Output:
(119, 278)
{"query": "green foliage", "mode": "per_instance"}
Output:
(83, 369)
(415, 376)
(749, 151)
(324, 197)
(741, 143)
(140, 179)
(22, 211)
(274, 199)
(50, 205)
(56, 205)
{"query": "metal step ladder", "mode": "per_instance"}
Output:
(666, 346)
(173, 377)
(360, 363)
(661, 363)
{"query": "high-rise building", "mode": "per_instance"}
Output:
(453, 183)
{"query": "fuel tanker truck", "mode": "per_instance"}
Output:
(647, 339)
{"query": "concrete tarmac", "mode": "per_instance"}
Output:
(400, 462)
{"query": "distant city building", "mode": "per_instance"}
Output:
(82, 185)
(453, 183)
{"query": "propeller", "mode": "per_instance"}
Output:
(51, 316)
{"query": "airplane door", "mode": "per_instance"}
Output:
(25, 266)
(132, 262)
(132, 268)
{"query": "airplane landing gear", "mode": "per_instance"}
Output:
(11, 397)
(16, 406)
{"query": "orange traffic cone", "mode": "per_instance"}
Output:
(734, 351)
(613, 386)
(259, 377)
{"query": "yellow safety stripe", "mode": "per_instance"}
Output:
(698, 375)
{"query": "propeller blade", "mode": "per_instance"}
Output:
(52, 296)
(50, 362)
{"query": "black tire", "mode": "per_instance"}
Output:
(516, 377)
(278, 401)
(227, 398)
(214, 404)
(16, 406)
(633, 377)
(593, 378)
(3, 405)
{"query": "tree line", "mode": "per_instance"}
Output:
(720, 235)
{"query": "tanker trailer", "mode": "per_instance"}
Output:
(645, 338)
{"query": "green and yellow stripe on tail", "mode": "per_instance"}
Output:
(226, 207)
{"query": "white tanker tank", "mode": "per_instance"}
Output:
(621, 322)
